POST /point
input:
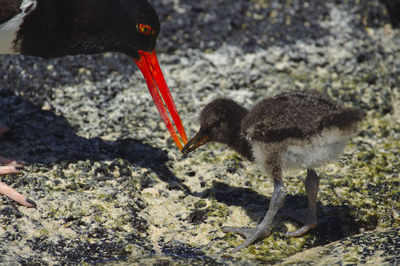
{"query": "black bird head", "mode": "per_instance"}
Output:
(129, 26)
(220, 121)
(59, 28)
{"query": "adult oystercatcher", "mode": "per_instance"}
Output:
(300, 129)
(56, 28)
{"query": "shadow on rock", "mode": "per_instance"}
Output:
(334, 222)
(41, 137)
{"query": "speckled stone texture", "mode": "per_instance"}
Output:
(111, 186)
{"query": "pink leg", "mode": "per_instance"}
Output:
(16, 196)
(12, 167)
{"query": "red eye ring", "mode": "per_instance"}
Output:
(143, 29)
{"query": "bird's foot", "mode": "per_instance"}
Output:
(13, 167)
(307, 221)
(10, 166)
(16, 196)
(251, 235)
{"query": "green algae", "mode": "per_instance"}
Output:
(217, 210)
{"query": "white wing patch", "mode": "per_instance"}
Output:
(9, 29)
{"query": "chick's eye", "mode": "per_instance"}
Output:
(143, 29)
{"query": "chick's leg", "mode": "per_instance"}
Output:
(310, 220)
(263, 229)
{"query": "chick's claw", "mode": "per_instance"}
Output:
(251, 235)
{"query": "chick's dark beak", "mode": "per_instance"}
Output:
(198, 140)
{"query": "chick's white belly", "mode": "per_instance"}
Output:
(311, 155)
(319, 149)
(302, 154)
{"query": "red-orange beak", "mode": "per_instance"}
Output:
(154, 77)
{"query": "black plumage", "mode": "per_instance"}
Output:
(9, 9)
(296, 115)
(58, 28)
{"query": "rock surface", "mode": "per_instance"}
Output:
(111, 186)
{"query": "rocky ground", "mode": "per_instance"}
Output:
(111, 187)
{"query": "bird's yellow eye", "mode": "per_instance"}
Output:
(143, 29)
